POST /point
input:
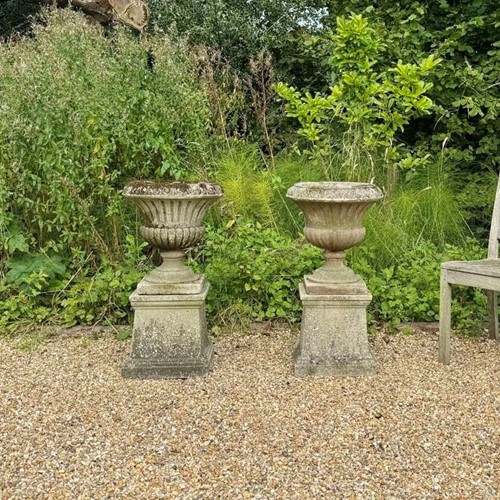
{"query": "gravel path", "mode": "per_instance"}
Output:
(70, 427)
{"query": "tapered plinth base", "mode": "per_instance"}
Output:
(333, 338)
(158, 369)
(170, 338)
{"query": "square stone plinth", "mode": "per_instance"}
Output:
(170, 338)
(334, 337)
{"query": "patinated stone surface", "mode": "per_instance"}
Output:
(334, 214)
(334, 339)
(174, 214)
(170, 337)
(170, 333)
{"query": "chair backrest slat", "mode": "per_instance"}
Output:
(495, 227)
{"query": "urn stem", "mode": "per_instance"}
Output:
(173, 269)
(334, 261)
(172, 260)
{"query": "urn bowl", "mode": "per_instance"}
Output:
(334, 211)
(334, 222)
(173, 211)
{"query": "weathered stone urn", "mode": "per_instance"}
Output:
(334, 339)
(170, 337)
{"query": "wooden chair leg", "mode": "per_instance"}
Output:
(493, 315)
(444, 320)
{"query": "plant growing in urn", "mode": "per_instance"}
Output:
(334, 339)
(170, 337)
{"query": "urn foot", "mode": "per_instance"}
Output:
(314, 287)
(335, 278)
(173, 277)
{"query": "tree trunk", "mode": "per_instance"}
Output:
(134, 13)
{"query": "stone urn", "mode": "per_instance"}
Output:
(170, 338)
(334, 222)
(334, 338)
(174, 214)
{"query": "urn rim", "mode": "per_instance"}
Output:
(150, 189)
(335, 192)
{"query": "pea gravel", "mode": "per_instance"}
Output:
(71, 427)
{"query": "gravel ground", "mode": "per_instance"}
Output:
(70, 427)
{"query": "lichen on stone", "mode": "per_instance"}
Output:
(171, 189)
(335, 192)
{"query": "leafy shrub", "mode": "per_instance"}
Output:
(40, 289)
(465, 91)
(366, 105)
(29, 286)
(254, 271)
(102, 297)
(238, 28)
(409, 290)
(83, 111)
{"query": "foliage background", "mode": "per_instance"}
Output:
(84, 109)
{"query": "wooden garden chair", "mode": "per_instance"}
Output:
(483, 274)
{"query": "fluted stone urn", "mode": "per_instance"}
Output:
(170, 337)
(174, 214)
(334, 339)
